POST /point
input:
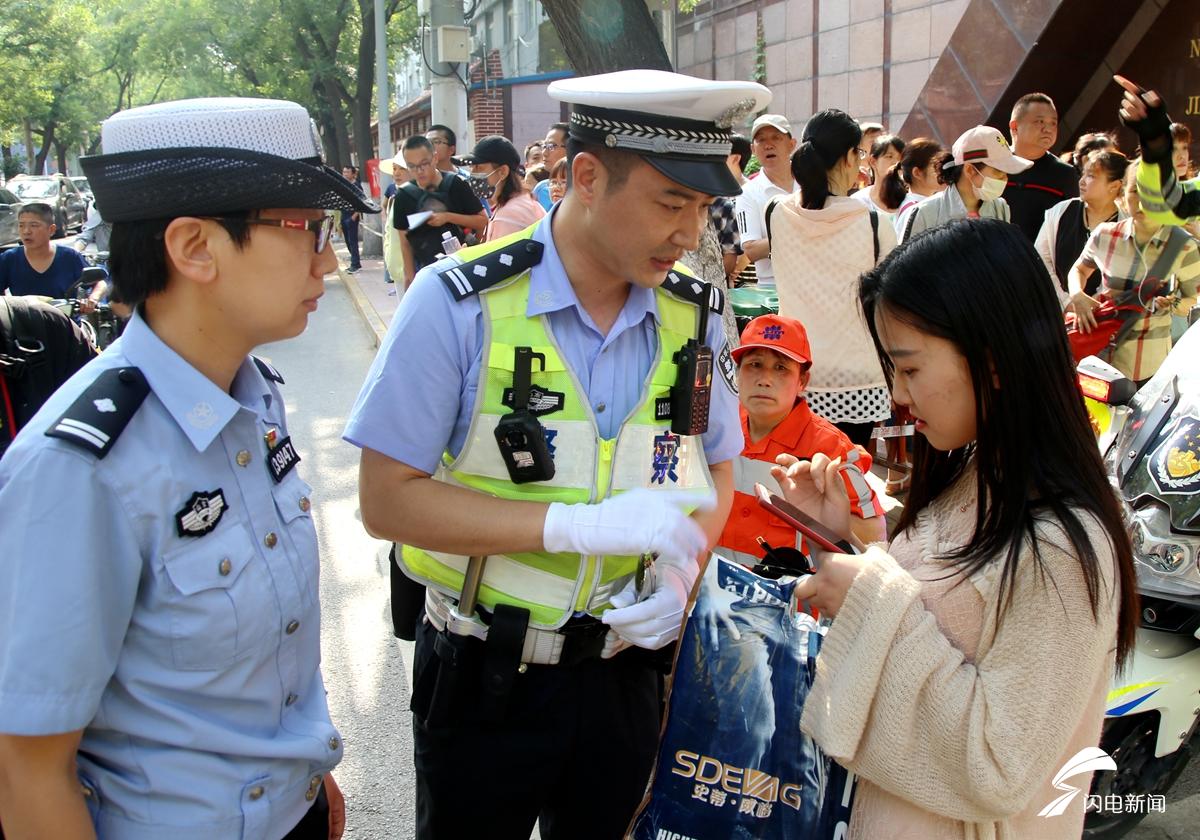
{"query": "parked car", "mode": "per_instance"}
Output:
(70, 207)
(85, 189)
(9, 205)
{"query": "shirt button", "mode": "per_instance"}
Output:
(270, 539)
(291, 700)
(334, 743)
(600, 408)
(255, 793)
(311, 794)
(745, 512)
(305, 504)
(224, 567)
(243, 458)
(292, 627)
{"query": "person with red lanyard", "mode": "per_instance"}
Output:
(779, 428)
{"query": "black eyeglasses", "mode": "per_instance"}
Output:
(322, 227)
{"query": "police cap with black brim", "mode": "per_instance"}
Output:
(678, 124)
(207, 157)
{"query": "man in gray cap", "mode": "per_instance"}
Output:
(160, 647)
(557, 466)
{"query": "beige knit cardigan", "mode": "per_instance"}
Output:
(954, 723)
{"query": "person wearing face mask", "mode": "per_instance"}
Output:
(496, 178)
(977, 176)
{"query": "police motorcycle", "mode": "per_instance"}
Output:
(1151, 445)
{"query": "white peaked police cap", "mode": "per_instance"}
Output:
(679, 124)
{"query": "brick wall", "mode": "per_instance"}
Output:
(485, 106)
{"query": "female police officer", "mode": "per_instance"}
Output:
(159, 639)
(566, 364)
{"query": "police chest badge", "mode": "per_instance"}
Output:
(1175, 463)
(541, 400)
(201, 513)
(666, 458)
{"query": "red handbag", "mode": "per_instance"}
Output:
(1110, 321)
(1113, 319)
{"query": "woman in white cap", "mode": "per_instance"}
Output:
(976, 176)
(160, 654)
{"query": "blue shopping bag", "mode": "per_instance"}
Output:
(732, 761)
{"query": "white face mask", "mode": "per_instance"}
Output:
(992, 188)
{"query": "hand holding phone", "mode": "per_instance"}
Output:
(817, 486)
(821, 536)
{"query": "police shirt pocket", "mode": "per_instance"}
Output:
(219, 599)
(293, 500)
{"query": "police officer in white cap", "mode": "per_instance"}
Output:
(159, 643)
(548, 413)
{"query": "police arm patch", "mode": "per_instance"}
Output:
(728, 369)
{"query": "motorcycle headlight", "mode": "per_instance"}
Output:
(1156, 548)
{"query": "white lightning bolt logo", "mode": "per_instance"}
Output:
(1087, 760)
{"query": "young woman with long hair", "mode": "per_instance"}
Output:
(915, 178)
(883, 157)
(970, 659)
(821, 241)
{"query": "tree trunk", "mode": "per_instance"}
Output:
(600, 36)
(60, 152)
(39, 163)
(363, 106)
(10, 168)
(30, 149)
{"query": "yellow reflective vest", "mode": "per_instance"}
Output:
(588, 468)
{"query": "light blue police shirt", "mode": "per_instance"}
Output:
(190, 662)
(419, 395)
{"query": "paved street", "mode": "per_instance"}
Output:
(366, 668)
(365, 675)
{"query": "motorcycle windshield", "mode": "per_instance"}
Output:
(1167, 467)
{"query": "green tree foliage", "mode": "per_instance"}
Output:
(67, 65)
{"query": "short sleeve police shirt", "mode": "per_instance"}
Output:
(163, 599)
(419, 394)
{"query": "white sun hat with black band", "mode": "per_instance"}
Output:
(205, 157)
(679, 124)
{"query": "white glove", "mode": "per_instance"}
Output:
(637, 522)
(655, 622)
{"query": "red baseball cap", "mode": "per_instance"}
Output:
(783, 335)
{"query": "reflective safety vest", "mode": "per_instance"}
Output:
(587, 468)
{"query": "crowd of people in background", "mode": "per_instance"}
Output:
(1077, 207)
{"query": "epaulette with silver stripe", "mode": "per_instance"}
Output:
(98, 416)
(473, 277)
(695, 291)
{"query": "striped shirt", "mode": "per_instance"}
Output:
(1123, 263)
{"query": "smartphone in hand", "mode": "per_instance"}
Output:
(813, 530)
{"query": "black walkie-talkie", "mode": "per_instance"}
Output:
(693, 384)
(520, 435)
